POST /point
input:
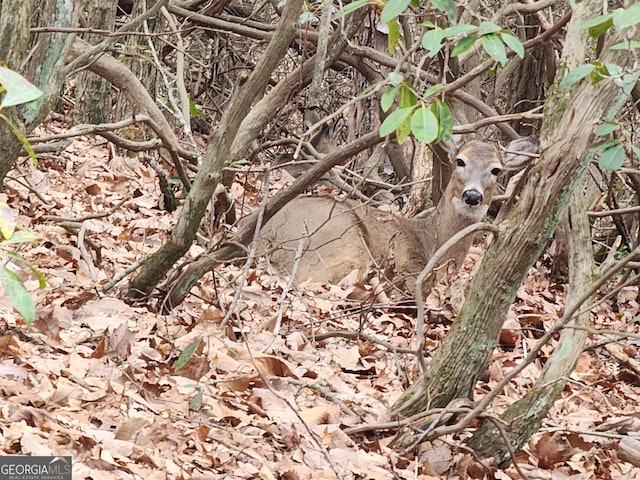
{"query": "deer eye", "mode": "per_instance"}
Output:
(496, 171)
(460, 162)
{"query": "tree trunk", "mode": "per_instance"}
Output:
(217, 155)
(137, 59)
(93, 94)
(43, 67)
(523, 418)
(570, 119)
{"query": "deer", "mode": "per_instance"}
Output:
(330, 238)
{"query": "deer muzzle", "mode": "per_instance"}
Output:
(472, 197)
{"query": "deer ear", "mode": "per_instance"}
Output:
(452, 146)
(520, 152)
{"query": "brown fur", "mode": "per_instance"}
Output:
(341, 236)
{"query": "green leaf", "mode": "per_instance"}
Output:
(432, 41)
(403, 131)
(486, 28)
(626, 17)
(407, 97)
(25, 143)
(445, 119)
(599, 25)
(19, 90)
(577, 74)
(612, 158)
(424, 125)
(606, 129)
(393, 9)
(18, 295)
(186, 355)
(394, 36)
(195, 402)
(351, 7)
(195, 111)
(42, 282)
(628, 45)
(513, 43)
(613, 69)
(395, 78)
(7, 221)
(306, 17)
(456, 30)
(636, 151)
(394, 120)
(20, 236)
(388, 97)
(600, 72)
(464, 45)
(601, 147)
(433, 90)
(492, 44)
(447, 6)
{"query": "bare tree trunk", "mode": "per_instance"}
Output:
(570, 119)
(139, 60)
(43, 68)
(93, 94)
(524, 417)
(218, 153)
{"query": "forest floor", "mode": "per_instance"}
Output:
(105, 382)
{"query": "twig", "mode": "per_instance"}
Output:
(179, 77)
(55, 218)
(619, 211)
(27, 184)
(96, 51)
(568, 316)
(88, 129)
(359, 335)
(313, 435)
(326, 393)
(285, 292)
(74, 228)
(85, 254)
(251, 253)
(131, 268)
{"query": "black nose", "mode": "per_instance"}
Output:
(472, 197)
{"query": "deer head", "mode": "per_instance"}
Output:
(476, 168)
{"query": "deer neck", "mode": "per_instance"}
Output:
(452, 215)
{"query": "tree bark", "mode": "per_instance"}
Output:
(570, 119)
(139, 61)
(523, 418)
(217, 155)
(43, 68)
(93, 94)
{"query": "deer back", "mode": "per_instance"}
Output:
(333, 238)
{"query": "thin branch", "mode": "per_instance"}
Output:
(610, 213)
(94, 52)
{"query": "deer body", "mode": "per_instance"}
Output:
(341, 236)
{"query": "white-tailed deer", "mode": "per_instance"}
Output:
(341, 236)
